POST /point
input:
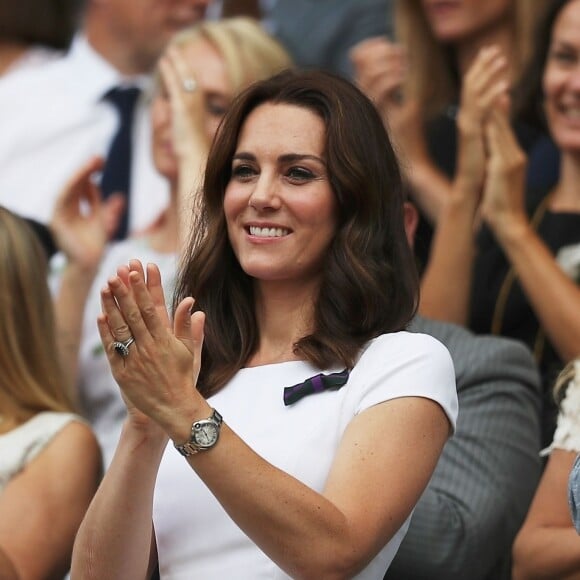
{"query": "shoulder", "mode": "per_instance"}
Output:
(33, 84)
(405, 364)
(405, 347)
(63, 428)
(74, 447)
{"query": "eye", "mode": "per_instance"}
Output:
(564, 56)
(243, 172)
(299, 174)
(217, 107)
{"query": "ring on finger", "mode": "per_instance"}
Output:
(122, 346)
(189, 85)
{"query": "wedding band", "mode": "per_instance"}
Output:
(189, 85)
(122, 346)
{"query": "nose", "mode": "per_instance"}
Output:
(265, 195)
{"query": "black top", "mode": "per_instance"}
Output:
(441, 135)
(518, 320)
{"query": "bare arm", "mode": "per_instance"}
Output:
(116, 537)
(548, 546)
(81, 234)
(553, 296)
(53, 491)
(453, 249)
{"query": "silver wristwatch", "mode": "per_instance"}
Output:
(204, 435)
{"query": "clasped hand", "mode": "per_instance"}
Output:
(491, 164)
(159, 375)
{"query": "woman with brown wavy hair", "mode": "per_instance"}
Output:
(49, 458)
(333, 415)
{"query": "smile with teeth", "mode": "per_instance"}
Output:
(268, 232)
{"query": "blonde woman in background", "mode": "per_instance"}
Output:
(49, 458)
(548, 546)
(202, 70)
(417, 83)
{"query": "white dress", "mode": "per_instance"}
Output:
(21, 445)
(195, 536)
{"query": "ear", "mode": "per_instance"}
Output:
(411, 217)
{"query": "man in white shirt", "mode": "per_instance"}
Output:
(53, 119)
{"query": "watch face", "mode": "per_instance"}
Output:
(205, 433)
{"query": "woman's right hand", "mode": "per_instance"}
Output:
(159, 375)
(82, 222)
(187, 106)
(484, 87)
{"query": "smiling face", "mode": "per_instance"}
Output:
(561, 81)
(210, 72)
(456, 20)
(279, 206)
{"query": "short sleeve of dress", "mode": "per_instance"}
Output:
(405, 364)
(567, 434)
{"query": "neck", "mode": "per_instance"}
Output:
(104, 40)
(566, 195)
(284, 314)
(10, 52)
(499, 35)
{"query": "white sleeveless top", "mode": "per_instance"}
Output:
(567, 434)
(21, 445)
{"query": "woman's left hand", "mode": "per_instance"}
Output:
(159, 375)
(503, 204)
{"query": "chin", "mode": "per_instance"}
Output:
(449, 34)
(168, 170)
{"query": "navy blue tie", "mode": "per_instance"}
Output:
(117, 171)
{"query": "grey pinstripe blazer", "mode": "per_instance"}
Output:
(465, 522)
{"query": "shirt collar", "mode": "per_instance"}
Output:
(95, 75)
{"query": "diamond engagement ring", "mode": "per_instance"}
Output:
(122, 347)
(189, 85)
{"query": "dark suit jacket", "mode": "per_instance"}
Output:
(464, 524)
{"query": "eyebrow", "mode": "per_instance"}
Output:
(563, 44)
(286, 158)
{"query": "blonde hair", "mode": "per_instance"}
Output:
(430, 60)
(571, 372)
(249, 52)
(31, 379)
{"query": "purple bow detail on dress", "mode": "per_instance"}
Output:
(315, 384)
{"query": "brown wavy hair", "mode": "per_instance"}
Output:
(369, 282)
